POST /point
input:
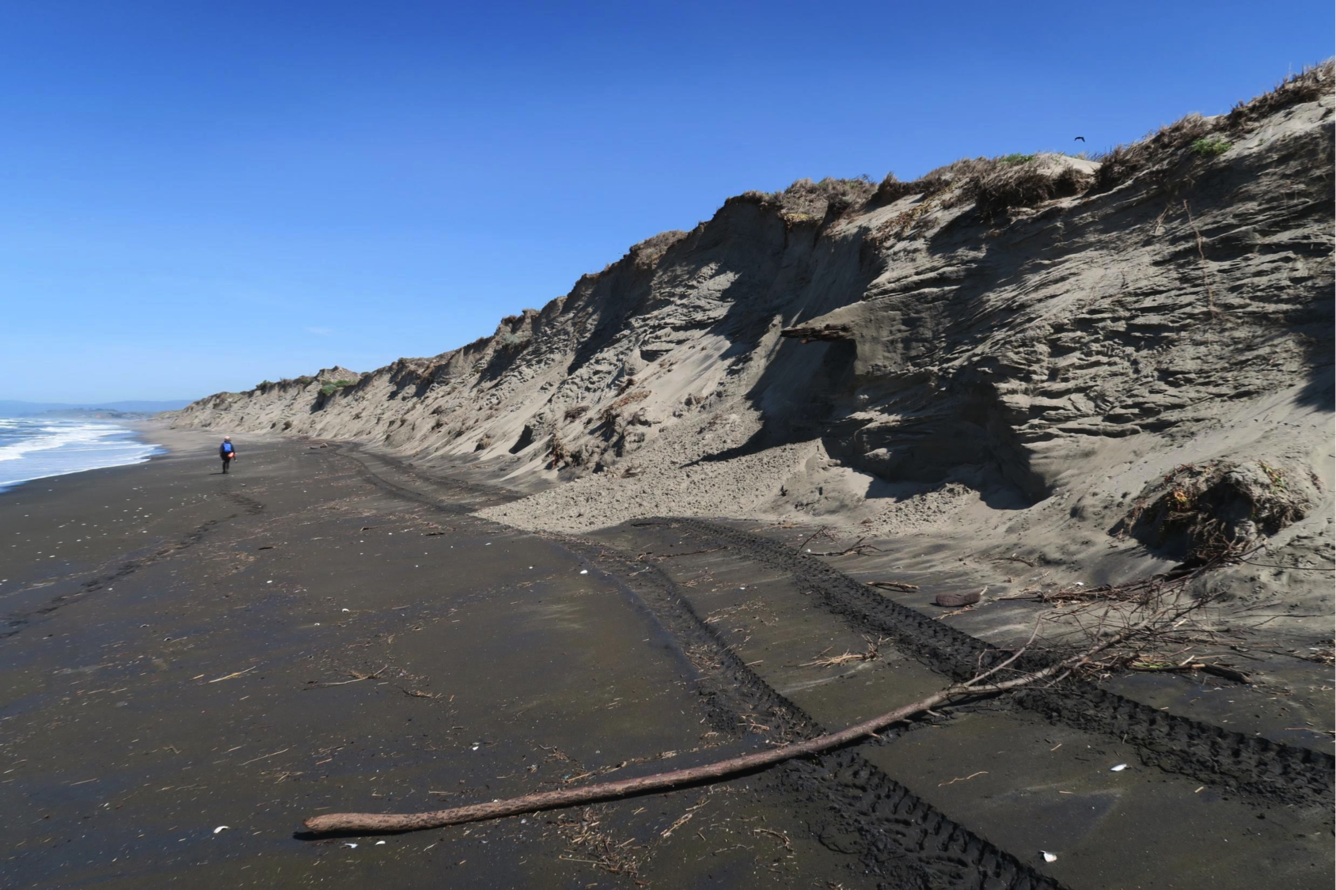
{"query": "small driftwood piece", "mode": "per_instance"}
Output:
(346, 823)
(1218, 670)
(857, 548)
(892, 585)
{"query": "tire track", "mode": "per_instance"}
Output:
(1248, 765)
(17, 621)
(901, 838)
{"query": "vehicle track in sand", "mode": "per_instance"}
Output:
(1243, 764)
(863, 810)
(867, 812)
(15, 622)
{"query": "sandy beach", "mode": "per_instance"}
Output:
(623, 447)
(328, 629)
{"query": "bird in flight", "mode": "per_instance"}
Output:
(1079, 139)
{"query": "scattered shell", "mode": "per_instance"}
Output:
(379, 843)
(347, 610)
(584, 571)
(1119, 768)
(351, 845)
(1049, 857)
(221, 828)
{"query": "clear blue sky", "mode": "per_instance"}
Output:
(200, 195)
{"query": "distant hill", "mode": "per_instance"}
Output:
(12, 408)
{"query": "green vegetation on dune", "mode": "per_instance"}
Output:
(1209, 148)
(330, 388)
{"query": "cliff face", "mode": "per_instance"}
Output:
(1036, 340)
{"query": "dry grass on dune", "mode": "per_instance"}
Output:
(808, 201)
(1001, 184)
(1306, 86)
(1026, 185)
(1125, 161)
(996, 185)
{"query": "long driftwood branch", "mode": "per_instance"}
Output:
(529, 803)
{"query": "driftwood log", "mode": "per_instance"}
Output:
(346, 823)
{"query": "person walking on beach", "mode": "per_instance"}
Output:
(227, 452)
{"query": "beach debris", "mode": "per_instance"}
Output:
(356, 678)
(857, 548)
(234, 674)
(892, 585)
(956, 600)
(1119, 768)
(982, 772)
(870, 654)
(221, 828)
(1049, 857)
(350, 845)
(1190, 665)
(985, 682)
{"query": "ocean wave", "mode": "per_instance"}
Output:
(45, 438)
(31, 449)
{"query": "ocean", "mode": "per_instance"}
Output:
(35, 448)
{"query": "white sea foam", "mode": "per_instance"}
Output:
(40, 448)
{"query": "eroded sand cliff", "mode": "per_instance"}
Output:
(1029, 353)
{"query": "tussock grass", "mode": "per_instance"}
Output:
(1307, 86)
(808, 201)
(996, 185)
(1026, 184)
(1125, 161)
(1202, 135)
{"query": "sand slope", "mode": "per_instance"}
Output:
(1001, 355)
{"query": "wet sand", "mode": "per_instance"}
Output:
(326, 630)
(178, 656)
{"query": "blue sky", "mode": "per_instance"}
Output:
(197, 196)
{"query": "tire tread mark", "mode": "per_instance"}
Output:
(893, 825)
(1254, 766)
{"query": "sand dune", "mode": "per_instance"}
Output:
(1014, 354)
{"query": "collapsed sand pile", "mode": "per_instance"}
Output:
(1007, 351)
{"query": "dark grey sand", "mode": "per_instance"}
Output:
(325, 630)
